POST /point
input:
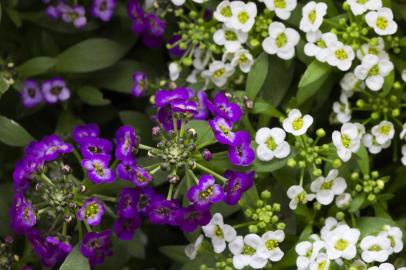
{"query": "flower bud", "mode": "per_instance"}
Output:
(207, 154)
(320, 133)
(265, 195)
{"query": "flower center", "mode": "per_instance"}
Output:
(341, 245)
(243, 17)
(272, 244)
(320, 43)
(248, 250)
(312, 16)
(341, 54)
(225, 130)
(31, 92)
(346, 141)
(230, 36)
(321, 265)
(91, 210)
(219, 73)
(382, 23)
(297, 123)
(280, 3)
(281, 40)
(301, 197)
(56, 90)
(327, 185)
(206, 193)
(373, 50)
(385, 130)
(218, 232)
(243, 59)
(375, 248)
(226, 11)
(374, 71)
(270, 143)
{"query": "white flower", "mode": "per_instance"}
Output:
(296, 123)
(321, 262)
(327, 187)
(318, 44)
(349, 83)
(201, 58)
(312, 16)
(402, 134)
(347, 140)
(384, 266)
(181, 2)
(343, 200)
(340, 56)
(230, 38)
(373, 146)
(404, 75)
(342, 109)
(403, 159)
(307, 253)
(281, 41)
(218, 72)
(219, 233)
(271, 143)
(282, 8)
(373, 70)
(298, 195)
(395, 236)
(248, 251)
(223, 12)
(174, 71)
(382, 21)
(243, 17)
(358, 7)
(192, 249)
(271, 241)
(243, 59)
(192, 77)
(375, 248)
(383, 132)
(378, 50)
(329, 225)
(341, 243)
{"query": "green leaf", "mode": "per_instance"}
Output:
(388, 83)
(363, 160)
(250, 198)
(92, 96)
(357, 203)
(36, 66)
(372, 225)
(75, 261)
(256, 77)
(141, 122)
(90, 55)
(263, 107)
(11, 133)
(273, 165)
(3, 86)
(176, 253)
(312, 80)
(136, 247)
(205, 135)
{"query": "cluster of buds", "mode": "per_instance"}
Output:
(371, 184)
(7, 258)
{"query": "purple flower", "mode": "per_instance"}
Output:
(74, 14)
(98, 170)
(96, 246)
(140, 84)
(55, 90)
(51, 250)
(174, 47)
(154, 28)
(125, 227)
(91, 211)
(136, 13)
(202, 111)
(82, 132)
(222, 107)
(163, 212)
(146, 196)
(128, 170)
(165, 117)
(22, 214)
(181, 106)
(223, 131)
(126, 143)
(24, 170)
(127, 203)
(54, 146)
(190, 218)
(103, 9)
(205, 193)
(166, 97)
(31, 94)
(237, 184)
(241, 153)
(94, 147)
(53, 12)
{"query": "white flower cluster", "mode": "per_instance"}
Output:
(271, 142)
(338, 241)
(348, 140)
(249, 250)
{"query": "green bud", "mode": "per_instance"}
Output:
(337, 163)
(373, 41)
(302, 164)
(318, 161)
(262, 225)
(380, 183)
(375, 115)
(276, 207)
(291, 162)
(371, 197)
(253, 228)
(360, 103)
(260, 203)
(346, 6)
(375, 174)
(248, 213)
(317, 172)
(340, 216)
(342, 21)
(358, 188)
(320, 132)
(397, 85)
(354, 176)
(317, 206)
(187, 61)
(265, 195)
(364, 31)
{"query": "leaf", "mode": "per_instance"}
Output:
(312, 80)
(263, 107)
(250, 197)
(363, 160)
(256, 77)
(388, 83)
(36, 66)
(136, 247)
(66, 122)
(141, 122)
(372, 225)
(273, 165)
(90, 55)
(357, 203)
(205, 135)
(3, 86)
(11, 133)
(176, 253)
(75, 261)
(92, 96)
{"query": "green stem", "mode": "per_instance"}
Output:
(170, 191)
(46, 179)
(156, 169)
(105, 198)
(209, 171)
(144, 147)
(242, 225)
(193, 176)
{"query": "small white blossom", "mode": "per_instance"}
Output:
(307, 253)
(358, 7)
(296, 123)
(243, 17)
(223, 12)
(181, 2)
(271, 143)
(402, 134)
(342, 109)
(321, 262)
(281, 41)
(219, 233)
(373, 70)
(373, 146)
(341, 243)
(347, 140)
(340, 56)
(404, 75)
(192, 249)
(271, 240)
(384, 266)
(343, 200)
(298, 195)
(329, 225)
(312, 16)
(382, 21)
(174, 71)
(282, 8)
(327, 187)
(375, 248)
(230, 38)
(403, 159)
(243, 59)
(378, 50)
(248, 251)
(383, 132)
(201, 59)
(318, 44)
(219, 73)
(395, 236)
(349, 83)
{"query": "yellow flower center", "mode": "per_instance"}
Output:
(270, 143)
(374, 71)
(280, 3)
(272, 244)
(341, 245)
(346, 141)
(375, 248)
(248, 250)
(243, 17)
(382, 23)
(91, 210)
(297, 123)
(385, 129)
(326, 185)
(312, 16)
(230, 36)
(281, 40)
(341, 54)
(218, 232)
(219, 73)
(226, 11)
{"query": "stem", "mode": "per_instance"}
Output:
(87, 227)
(64, 228)
(193, 176)
(245, 224)
(46, 179)
(80, 230)
(301, 176)
(207, 170)
(156, 169)
(105, 198)
(144, 147)
(170, 191)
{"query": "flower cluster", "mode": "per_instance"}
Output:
(50, 91)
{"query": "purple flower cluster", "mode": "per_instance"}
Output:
(50, 91)
(96, 153)
(76, 14)
(149, 27)
(96, 246)
(140, 80)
